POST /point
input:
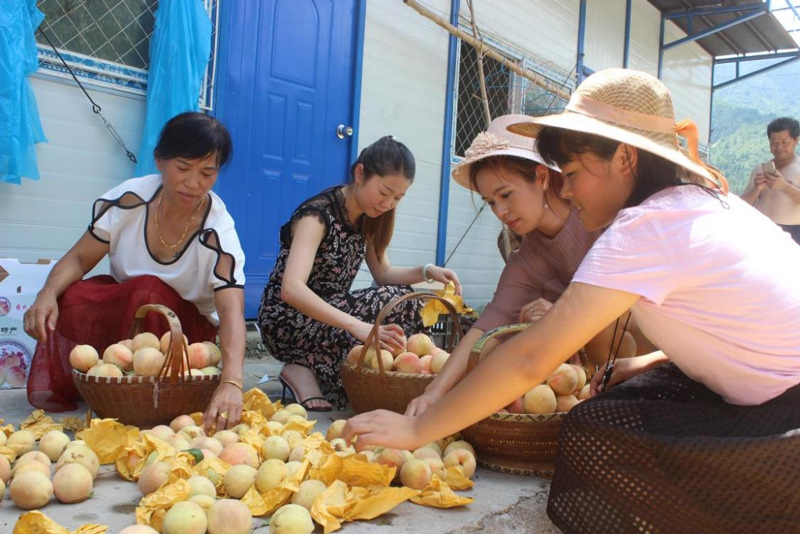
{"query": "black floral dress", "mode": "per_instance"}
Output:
(293, 337)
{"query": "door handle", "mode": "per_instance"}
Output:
(343, 131)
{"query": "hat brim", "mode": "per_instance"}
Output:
(461, 172)
(583, 123)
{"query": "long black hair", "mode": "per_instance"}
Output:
(384, 157)
(194, 135)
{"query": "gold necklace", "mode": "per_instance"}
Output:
(185, 228)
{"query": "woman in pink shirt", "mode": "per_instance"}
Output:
(701, 437)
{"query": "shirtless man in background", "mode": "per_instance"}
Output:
(774, 187)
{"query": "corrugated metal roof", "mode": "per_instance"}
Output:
(761, 34)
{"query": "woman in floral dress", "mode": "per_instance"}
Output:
(309, 317)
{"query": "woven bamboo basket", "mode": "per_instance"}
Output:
(520, 444)
(374, 389)
(147, 401)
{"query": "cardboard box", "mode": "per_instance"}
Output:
(19, 284)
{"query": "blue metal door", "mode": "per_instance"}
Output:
(285, 82)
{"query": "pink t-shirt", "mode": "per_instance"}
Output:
(719, 287)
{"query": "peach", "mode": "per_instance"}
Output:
(425, 362)
(35, 456)
(178, 442)
(425, 452)
(199, 356)
(83, 357)
(293, 438)
(146, 339)
(238, 480)
(211, 370)
(540, 399)
(516, 407)
(73, 483)
(240, 453)
(201, 486)
(30, 490)
(190, 432)
(420, 344)
(385, 358)
(461, 457)
(585, 392)
(308, 492)
(181, 421)
(581, 376)
(207, 443)
(391, 457)
(293, 467)
(271, 473)
(127, 342)
(434, 446)
(298, 454)
(296, 409)
(281, 416)
(355, 353)
(565, 403)
(106, 369)
(119, 355)
(153, 477)
(53, 444)
(185, 518)
(459, 444)
(564, 380)
(226, 437)
(166, 339)
(5, 469)
(291, 519)
(162, 432)
(148, 361)
(335, 430)
(214, 352)
(275, 447)
(138, 529)
(241, 428)
(21, 441)
(407, 362)
(437, 467)
(204, 501)
(30, 466)
(438, 361)
(230, 516)
(402, 349)
(416, 474)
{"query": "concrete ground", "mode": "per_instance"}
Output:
(503, 503)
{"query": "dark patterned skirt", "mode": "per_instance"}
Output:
(662, 453)
(293, 337)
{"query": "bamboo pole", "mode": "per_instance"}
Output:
(488, 51)
(481, 75)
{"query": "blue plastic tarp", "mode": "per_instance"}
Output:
(20, 127)
(179, 51)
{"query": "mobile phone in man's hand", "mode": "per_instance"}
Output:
(769, 168)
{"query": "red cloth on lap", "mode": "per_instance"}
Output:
(99, 312)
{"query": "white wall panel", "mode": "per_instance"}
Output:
(604, 45)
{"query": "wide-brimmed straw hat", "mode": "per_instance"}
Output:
(497, 141)
(631, 107)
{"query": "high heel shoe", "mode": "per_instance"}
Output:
(288, 386)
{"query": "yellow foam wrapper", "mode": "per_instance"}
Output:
(37, 523)
(339, 503)
(261, 504)
(439, 495)
(10, 454)
(456, 479)
(152, 507)
(213, 469)
(108, 438)
(433, 308)
(130, 462)
(40, 424)
(256, 400)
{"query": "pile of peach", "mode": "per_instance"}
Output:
(565, 388)
(144, 355)
(419, 356)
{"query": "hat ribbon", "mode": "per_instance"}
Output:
(688, 130)
(620, 117)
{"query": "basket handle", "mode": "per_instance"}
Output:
(477, 349)
(373, 338)
(176, 356)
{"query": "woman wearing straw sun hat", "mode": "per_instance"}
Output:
(523, 192)
(697, 438)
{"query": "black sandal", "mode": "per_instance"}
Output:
(286, 386)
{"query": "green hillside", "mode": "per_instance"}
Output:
(740, 116)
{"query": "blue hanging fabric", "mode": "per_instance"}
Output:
(20, 127)
(179, 51)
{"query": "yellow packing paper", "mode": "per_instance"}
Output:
(266, 503)
(304, 427)
(6, 429)
(70, 422)
(358, 472)
(147, 513)
(339, 503)
(131, 460)
(257, 400)
(10, 454)
(456, 479)
(439, 495)
(40, 424)
(213, 469)
(108, 438)
(37, 523)
(433, 308)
